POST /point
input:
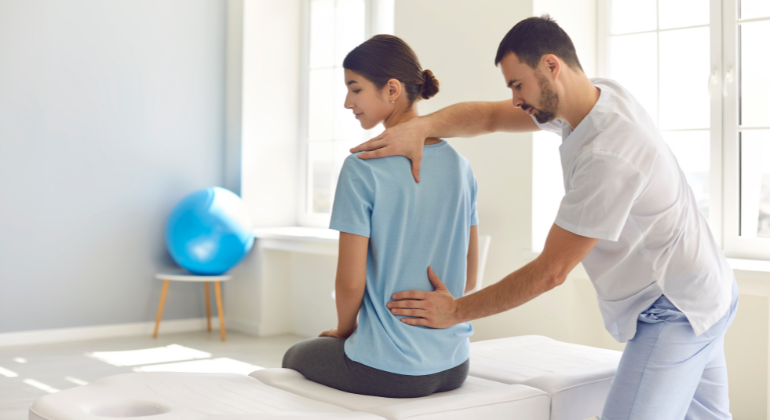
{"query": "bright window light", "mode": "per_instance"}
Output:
(219, 365)
(19, 360)
(171, 353)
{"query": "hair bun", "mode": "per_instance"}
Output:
(429, 85)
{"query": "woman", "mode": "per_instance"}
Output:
(391, 231)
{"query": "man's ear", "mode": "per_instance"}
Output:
(551, 65)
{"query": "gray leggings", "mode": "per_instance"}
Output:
(323, 360)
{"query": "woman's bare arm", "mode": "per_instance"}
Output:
(466, 119)
(473, 260)
(350, 283)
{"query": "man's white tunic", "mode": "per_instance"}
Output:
(624, 186)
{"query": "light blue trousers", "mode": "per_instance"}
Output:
(667, 373)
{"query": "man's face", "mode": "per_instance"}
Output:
(532, 92)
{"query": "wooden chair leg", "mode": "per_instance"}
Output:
(218, 291)
(208, 305)
(160, 308)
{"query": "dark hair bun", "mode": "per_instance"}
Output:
(429, 85)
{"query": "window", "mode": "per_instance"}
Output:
(661, 52)
(746, 26)
(334, 27)
(699, 69)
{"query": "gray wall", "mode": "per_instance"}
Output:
(110, 112)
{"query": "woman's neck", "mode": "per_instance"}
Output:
(400, 116)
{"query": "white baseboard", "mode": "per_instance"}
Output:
(104, 331)
(242, 326)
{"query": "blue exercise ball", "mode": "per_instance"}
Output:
(209, 231)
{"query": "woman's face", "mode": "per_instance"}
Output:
(370, 105)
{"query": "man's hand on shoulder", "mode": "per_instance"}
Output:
(404, 139)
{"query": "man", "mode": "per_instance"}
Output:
(662, 283)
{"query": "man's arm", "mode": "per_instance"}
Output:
(438, 309)
(466, 119)
(473, 260)
(350, 283)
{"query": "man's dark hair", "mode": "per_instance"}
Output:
(534, 37)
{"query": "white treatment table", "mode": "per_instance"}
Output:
(517, 378)
(577, 378)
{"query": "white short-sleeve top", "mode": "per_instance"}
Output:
(624, 186)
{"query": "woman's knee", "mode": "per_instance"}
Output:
(315, 350)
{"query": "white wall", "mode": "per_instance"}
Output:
(110, 112)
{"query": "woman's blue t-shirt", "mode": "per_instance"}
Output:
(410, 227)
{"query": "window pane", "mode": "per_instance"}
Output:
(321, 33)
(754, 74)
(627, 16)
(692, 150)
(681, 13)
(633, 63)
(754, 8)
(346, 126)
(321, 103)
(320, 176)
(351, 27)
(755, 183)
(684, 96)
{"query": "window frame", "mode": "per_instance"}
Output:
(379, 19)
(734, 245)
(724, 206)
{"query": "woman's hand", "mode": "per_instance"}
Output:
(331, 333)
(404, 139)
(334, 332)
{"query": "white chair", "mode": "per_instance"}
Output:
(484, 241)
(166, 277)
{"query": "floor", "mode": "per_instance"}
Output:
(29, 372)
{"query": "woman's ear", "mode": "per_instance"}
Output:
(394, 90)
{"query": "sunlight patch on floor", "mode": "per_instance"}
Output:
(170, 353)
(8, 373)
(40, 385)
(75, 381)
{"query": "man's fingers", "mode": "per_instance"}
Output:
(373, 144)
(437, 283)
(375, 154)
(412, 294)
(416, 168)
(406, 304)
(415, 321)
(409, 312)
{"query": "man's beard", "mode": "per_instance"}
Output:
(549, 101)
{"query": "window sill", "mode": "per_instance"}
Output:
(298, 239)
(755, 269)
(745, 268)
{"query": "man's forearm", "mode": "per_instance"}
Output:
(514, 290)
(465, 119)
(470, 119)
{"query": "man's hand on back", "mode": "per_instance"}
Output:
(436, 309)
(404, 139)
